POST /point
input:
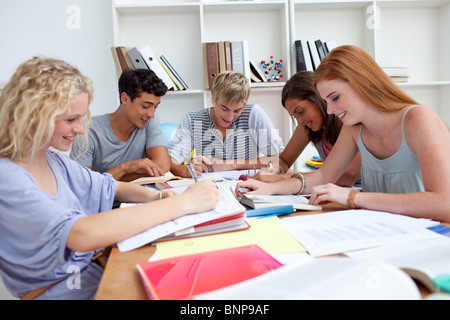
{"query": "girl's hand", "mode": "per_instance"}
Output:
(254, 186)
(329, 193)
(203, 196)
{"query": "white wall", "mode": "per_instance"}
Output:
(77, 31)
(52, 28)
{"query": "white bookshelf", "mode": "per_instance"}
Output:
(400, 33)
(411, 33)
(177, 29)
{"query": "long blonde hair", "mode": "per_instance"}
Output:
(39, 91)
(356, 66)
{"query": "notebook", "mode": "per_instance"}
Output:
(183, 277)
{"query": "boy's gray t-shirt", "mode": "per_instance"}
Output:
(105, 151)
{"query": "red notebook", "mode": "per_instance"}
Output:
(183, 277)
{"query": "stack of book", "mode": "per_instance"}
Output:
(231, 55)
(397, 74)
(309, 54)
(132, 58)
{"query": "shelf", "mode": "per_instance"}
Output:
(411, 33)
(423, 84)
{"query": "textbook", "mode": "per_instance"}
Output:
(149, 180)
(234, 222)
(330, 278)
(266, 201)
(227, 207)
(426, 261)
(182, 277)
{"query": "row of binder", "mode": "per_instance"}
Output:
(132, 58)
(309, 54)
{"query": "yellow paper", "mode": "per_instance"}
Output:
(269, 233)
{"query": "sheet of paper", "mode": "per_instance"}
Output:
(348, 230)
(268, 233)
(227, 205)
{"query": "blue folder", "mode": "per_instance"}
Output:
(271, 211)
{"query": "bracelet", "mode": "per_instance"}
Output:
(302, 179)
(351, 199)
(160, 195)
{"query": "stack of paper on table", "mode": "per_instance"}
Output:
(335, 278)
(186, 276)
(343, 231)
(226, 207)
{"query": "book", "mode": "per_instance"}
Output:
(222, 60)
(153, 64)
(257, 72)
(246, 59)
(150, 180)
(268, 201)
(205, 67)
(227, 206)
(171, 183)
(234, 222)
(175, 73)
(212, 58)
(237, 56)
(116, 61)
(426, 261)
(121, 59)
(328, 278)
(183, 277)
(270, 211)
(320, 49)
(228, 62)
(397, 74)
(178, 85)
(136, 59)
(300, 62)
(314, 54)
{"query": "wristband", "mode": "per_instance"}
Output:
(351, 199)
(302, 179)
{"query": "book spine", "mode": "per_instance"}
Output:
(175, 73)
(300, 57)
(237, 56)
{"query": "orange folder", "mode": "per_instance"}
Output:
(183, 277)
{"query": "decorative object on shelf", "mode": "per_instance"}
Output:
(273, 69)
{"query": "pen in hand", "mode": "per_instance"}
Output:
(192, 172)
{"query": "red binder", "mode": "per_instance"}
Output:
(183, 277)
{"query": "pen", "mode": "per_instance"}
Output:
(192, 172)
(192, 157)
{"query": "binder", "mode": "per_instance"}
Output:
(136, 59)
(152, 63)
(228, 62)
(320, 49)
(175, 73)
(212, 58)
(237, 56)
